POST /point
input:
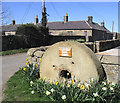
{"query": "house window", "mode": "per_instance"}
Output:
(85, 33)
(70, 33)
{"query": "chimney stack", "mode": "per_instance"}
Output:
(102, 24)
(36, 20)
(90, 19)
(66, 18)
(13, 22)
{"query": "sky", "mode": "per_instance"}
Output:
(25, 12)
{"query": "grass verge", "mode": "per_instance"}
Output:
(9, 52)
(17, 89)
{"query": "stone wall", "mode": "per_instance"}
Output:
(74, 32)
(101, 35)
(111, 65)
(106, 44)
(55, 39)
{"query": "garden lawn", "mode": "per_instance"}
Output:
(17, 89)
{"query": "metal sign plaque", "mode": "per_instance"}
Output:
(65, 52)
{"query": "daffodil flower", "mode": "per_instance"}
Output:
(40, 60)
(27, 63)
(24, 69)
(95, 94)
(56, 83)
(36, 65)
(48, 93)
(52, 90)
(32, 92)
(68, 85)
(26, 59)
(104, 83)
(31, 83)
(111, 88)
(104, 88)
(82, 87)
(63, 97)
(44, 78)
(67, 74)
(39, 78)
(72, 82)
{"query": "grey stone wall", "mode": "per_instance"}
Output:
(106, 44)
(74, 32)
(101, 35)
(111, 65)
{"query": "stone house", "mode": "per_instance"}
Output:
(91, 30)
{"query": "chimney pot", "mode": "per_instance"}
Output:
(36, 19)
(102, 24)
(66, 18)
(90, 19)
(13, 22)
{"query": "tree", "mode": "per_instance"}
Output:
(44, 31)
(30, 34)
(4, 14)
(44, 17)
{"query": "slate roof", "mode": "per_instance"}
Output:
(10, 28)
(71, 25)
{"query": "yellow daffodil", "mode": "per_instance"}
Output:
(36, 65)
(68, 85)
(26, 59)
(44, 78)
(39, 78)
(31, 83)
(24, 69)
(72, 82)
(67, 74)
(27, 63)
(56, 83)
(40, 60)
(82, 87)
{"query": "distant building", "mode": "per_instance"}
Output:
(88, 28)
(91, 30)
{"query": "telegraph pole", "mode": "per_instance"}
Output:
(112, 26)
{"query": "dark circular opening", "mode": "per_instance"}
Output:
(72, 62)
(65, 74)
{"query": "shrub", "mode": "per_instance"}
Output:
(33, 35)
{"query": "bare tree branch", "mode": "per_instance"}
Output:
(4, 14)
